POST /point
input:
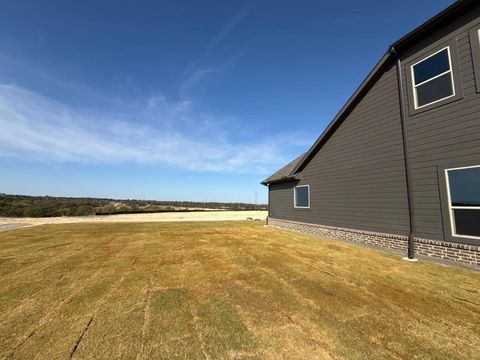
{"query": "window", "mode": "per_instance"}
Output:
(301, 196)
(463, 185)
(432, 79)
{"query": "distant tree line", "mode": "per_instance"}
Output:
(48, 206)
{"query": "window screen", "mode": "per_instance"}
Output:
(464, 197)
(302, 196)
(433, 79)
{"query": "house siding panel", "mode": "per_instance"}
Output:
(445, 136)
(357, 175)
(357, 180)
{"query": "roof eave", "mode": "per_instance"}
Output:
(284, 179)
(344, 110)
(437, 20)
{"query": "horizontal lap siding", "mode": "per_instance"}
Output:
(357, 179)
(281, 200)
(443, 136)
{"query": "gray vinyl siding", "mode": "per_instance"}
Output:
(445, 136)
(357, 179)
(280, 196)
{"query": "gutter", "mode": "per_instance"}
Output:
(283, 179)
(408, 177)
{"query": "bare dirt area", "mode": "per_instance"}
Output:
(12, 223)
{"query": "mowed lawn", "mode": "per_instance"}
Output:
(224, 290)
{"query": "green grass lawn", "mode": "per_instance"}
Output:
(224, 290)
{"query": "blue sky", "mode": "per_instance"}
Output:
(178, 100)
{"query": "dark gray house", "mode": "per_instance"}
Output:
(399, 166)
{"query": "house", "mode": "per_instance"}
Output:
(399, 166)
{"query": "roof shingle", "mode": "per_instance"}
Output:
(284, 173)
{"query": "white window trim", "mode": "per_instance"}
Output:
(415, 99)
(451, 208)
(295, 197)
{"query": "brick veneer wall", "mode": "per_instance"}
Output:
(453, 252)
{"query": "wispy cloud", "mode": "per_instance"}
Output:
(150, 130)
(209, 62)
(153, 131)
(227, 29)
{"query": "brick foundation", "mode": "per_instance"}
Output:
(452, 252)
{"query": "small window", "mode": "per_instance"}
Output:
(432, 79)
(301, 196)
(464, 201)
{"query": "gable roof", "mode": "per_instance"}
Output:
(344, 111)
(455, 10)
(284, 173)
(458, 8)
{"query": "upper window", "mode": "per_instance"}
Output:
(464, 201)
(432, 79)
(301, 196)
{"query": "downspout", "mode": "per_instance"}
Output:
(268, 206)
(408, 177)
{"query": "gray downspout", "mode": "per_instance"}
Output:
(268, 206)
(411, 209)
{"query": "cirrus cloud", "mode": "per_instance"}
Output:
(154, 131)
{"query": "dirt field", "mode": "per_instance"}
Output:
(11, 223)
(224, 290)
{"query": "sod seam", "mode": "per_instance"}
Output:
(146, 322)
(79, 339)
